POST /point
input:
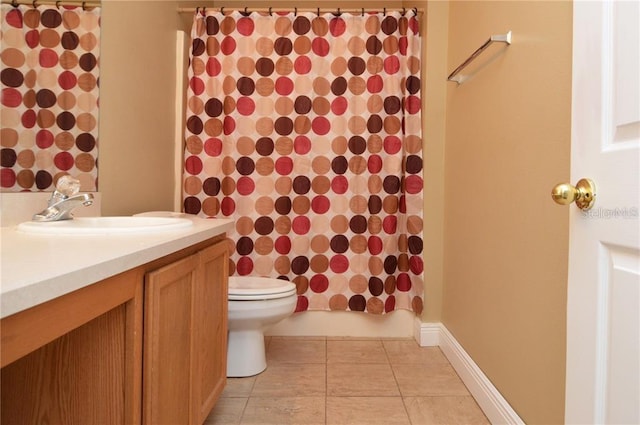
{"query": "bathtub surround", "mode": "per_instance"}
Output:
(305, 128)
(50, 73)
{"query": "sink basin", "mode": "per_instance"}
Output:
(106, 225)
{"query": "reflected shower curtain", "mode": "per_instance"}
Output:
(49, 108)
(305, 129)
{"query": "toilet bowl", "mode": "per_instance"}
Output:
(254, 304)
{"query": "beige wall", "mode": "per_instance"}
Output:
(507, 144)
(434, 76)
(137, 106)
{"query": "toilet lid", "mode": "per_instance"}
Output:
(259, 288)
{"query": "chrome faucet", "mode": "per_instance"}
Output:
(63, 200)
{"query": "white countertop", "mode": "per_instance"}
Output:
(38, 268)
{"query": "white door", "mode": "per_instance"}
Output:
(603, 309)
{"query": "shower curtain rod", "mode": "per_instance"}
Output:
(318, 10)
(36, 3)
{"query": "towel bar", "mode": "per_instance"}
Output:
(502, 38)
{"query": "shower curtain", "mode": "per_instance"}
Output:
(50, 66)
(305, 129)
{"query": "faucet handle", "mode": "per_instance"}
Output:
(68, 186)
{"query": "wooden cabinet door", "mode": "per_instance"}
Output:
(168, 343)
(185, 337)
(210, 329)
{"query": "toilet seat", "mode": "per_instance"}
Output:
(246, 288)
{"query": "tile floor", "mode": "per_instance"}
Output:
(343, 381)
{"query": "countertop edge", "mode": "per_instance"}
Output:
(31, 294)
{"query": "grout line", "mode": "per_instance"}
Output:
(402, 397)
(395, 378)
(386, 353)
(326, 380)
(404, 403)
(244, 409)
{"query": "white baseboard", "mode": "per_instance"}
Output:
(427, 334)
(492, 403)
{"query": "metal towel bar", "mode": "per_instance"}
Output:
(503, 38)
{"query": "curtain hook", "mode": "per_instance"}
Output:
(58, 4)
(415, 11)
(34, 4)
(295, 11)
(245, 10)
(14, 3)
(84, 5)
(404, 11)
(270, 12)
(222, 10)
(318, 12)
(363, 11)
(384, 11)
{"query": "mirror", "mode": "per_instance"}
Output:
(50, 95)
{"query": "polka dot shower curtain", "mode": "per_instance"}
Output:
(305, 129)
(49, 76)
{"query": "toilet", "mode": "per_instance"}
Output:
(254, 304)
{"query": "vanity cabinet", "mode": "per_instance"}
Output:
(75, 359)
(185, 338)
(145, 346)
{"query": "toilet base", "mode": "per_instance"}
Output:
(248, 350)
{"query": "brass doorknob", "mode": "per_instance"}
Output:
(584, 194)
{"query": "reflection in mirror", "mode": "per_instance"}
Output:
(50, 86)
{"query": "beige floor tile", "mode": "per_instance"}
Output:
(284, 410)
(227, 411)
(409, 352)
(428, 380)
(351, 351)
(360, 380)
(291, 380)
(287, 350)
(445, 411)
(351, 381)
(239, 387)
(366, 411)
